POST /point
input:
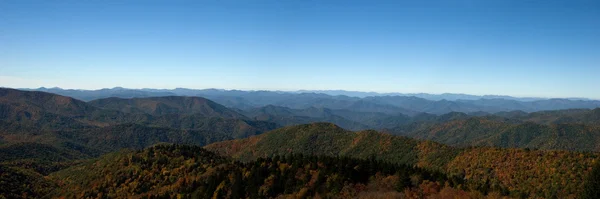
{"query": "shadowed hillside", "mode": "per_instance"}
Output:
(167, 105)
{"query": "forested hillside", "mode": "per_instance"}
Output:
(191, 172)
(167, 105)
(544, 173)
(486, 131)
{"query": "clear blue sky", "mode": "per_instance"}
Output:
(540, 48)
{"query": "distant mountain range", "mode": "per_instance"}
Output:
(192, 119)
(435, 97)
(389, 103)
(87, 95)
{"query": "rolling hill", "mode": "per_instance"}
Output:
(478, 164)
(287, 116)
(574, 130)
(167, 105)
(38, 112)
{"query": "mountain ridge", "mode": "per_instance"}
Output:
(404, 103)
(167, 105)
(333, 92)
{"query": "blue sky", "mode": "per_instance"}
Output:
(511, 47)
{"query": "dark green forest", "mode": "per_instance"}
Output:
(180, 171)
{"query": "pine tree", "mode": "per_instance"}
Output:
(403, 181)
(591, 188)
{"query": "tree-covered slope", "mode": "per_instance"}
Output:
(526, 173)
(22, 183)
(324, 139)
(591, 188)
(579, 116)
(27, 116)
(480, 131)
(30, 103)
(233, 127)
(136, 136)
(168, 105)
(175, 171)
(287, 116)
(548, 173)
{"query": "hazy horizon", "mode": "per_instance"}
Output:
(327, 91)
(515, 48)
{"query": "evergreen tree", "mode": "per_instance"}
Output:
(592, 185)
